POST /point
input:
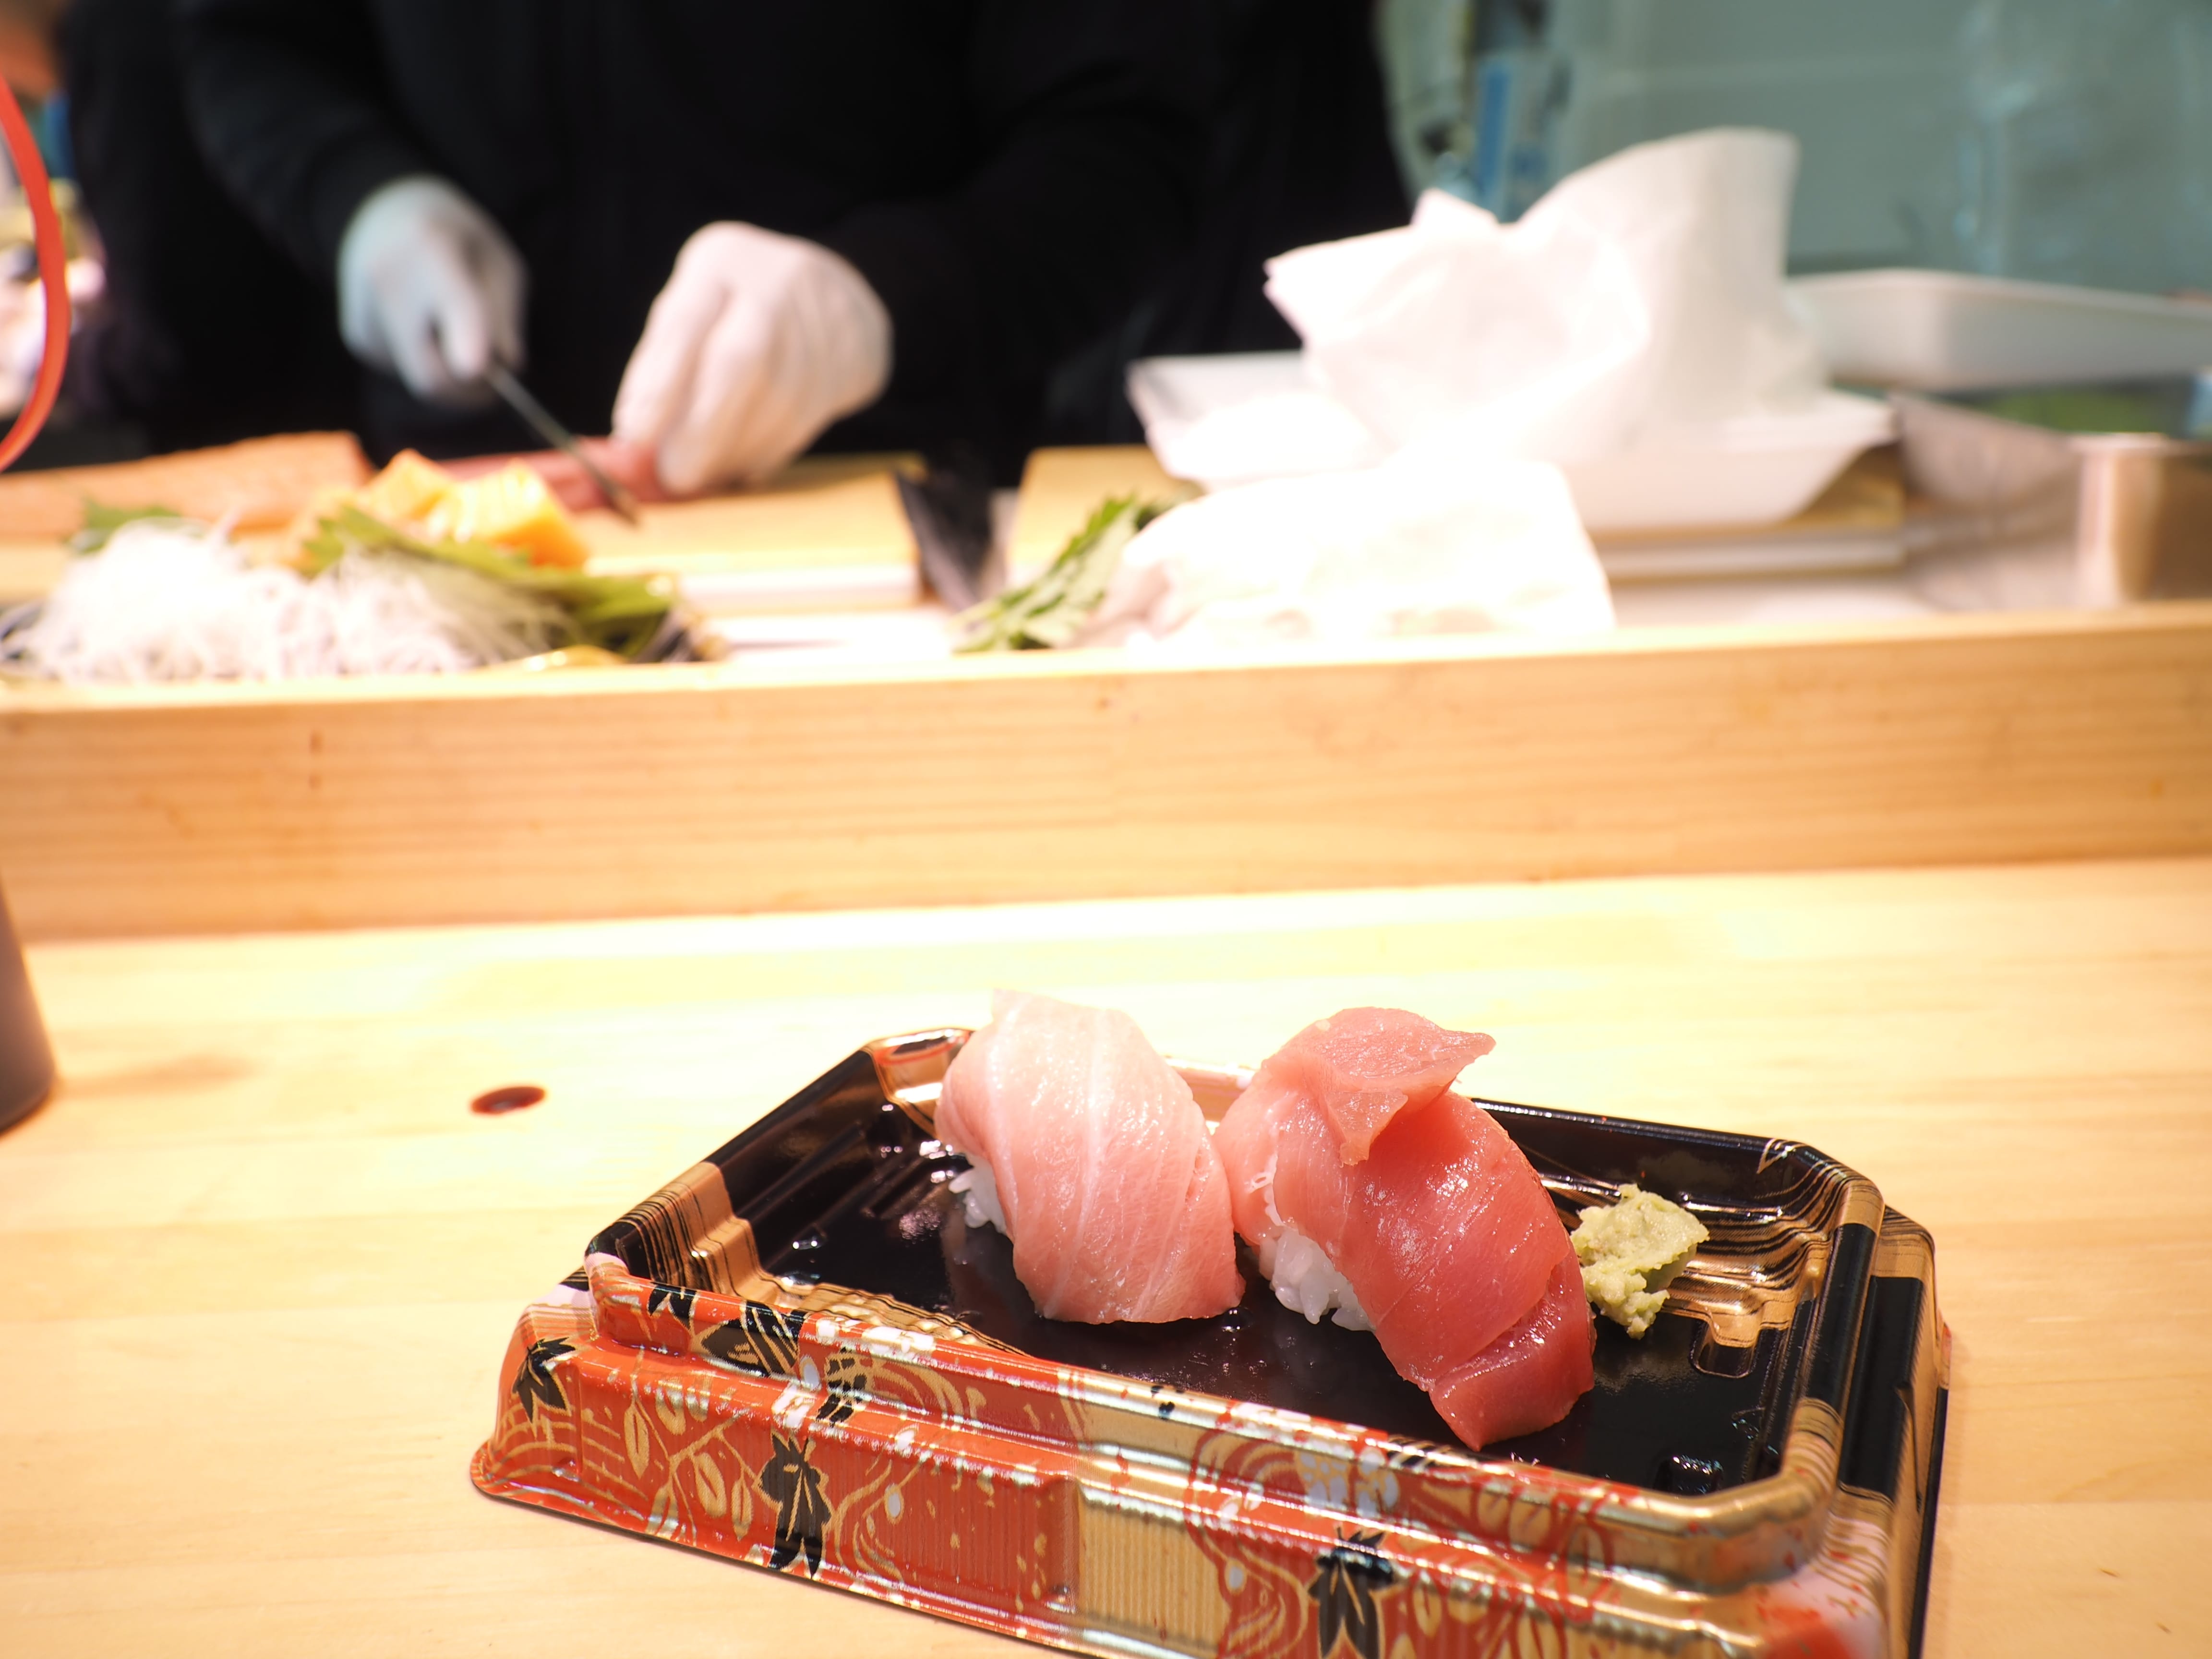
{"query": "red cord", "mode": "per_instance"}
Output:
(53, 277)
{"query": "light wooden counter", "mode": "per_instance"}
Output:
(1088, 775)
(263, 1262)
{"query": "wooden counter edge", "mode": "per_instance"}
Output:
(2187, 619)
(739, 788)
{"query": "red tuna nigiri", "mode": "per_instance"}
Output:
(1529, 1378)
(1364, 1066)
(1441, 1237)
(1089, 1151)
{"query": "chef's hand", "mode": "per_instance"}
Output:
(758, 343)
(429, 288)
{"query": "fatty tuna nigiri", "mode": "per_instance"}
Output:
(1089, 1151)
(1364, 1183)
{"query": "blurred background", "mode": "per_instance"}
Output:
(2055, 140)
(2060, 140)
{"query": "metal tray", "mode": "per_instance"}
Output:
(798, 1355)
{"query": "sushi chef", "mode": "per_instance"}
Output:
(725, 229)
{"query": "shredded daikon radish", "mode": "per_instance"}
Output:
(167, 600)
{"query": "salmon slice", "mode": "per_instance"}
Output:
(1364, 1066)
(1090, 1153)
(1443, 1238)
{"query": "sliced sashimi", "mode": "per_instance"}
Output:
(1441, 1239)
(1089, 1151)
(1530, 1376)
(1364, 1065)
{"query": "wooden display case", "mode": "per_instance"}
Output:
(740, 787)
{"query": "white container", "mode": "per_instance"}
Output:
(1936, 330)
(1755, 470)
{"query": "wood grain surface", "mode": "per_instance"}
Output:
(747, 787)
(258, 484)
(826, 533)
(263, 1262)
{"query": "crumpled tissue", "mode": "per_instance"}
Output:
(1409, 547)
(1632, 327)
(1643, 291)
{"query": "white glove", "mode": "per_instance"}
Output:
(430, 288)
(758, 343)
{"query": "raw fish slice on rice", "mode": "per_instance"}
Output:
(1445, 1233)
(1105, 1177)
(1443, 1236)
(1364, 1066)
(1515, 1386)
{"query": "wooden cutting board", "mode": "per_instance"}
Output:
(260, 484)
(1062, 487)
(827, 534)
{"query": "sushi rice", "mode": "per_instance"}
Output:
(1307, 1283)
(979, 1198)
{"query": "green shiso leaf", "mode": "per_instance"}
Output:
(1048, 612)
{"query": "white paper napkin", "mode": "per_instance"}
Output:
(1410, 547)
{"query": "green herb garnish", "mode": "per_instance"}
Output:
(1047, 613)
(621, 614)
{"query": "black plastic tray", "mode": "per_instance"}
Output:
(845, 1186)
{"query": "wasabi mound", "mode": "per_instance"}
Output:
(1630, 1251)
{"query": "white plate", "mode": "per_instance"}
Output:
(1755, 470)
(1941, 330)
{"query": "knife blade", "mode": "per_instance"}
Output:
(539, 419)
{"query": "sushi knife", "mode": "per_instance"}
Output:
(539, 419)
